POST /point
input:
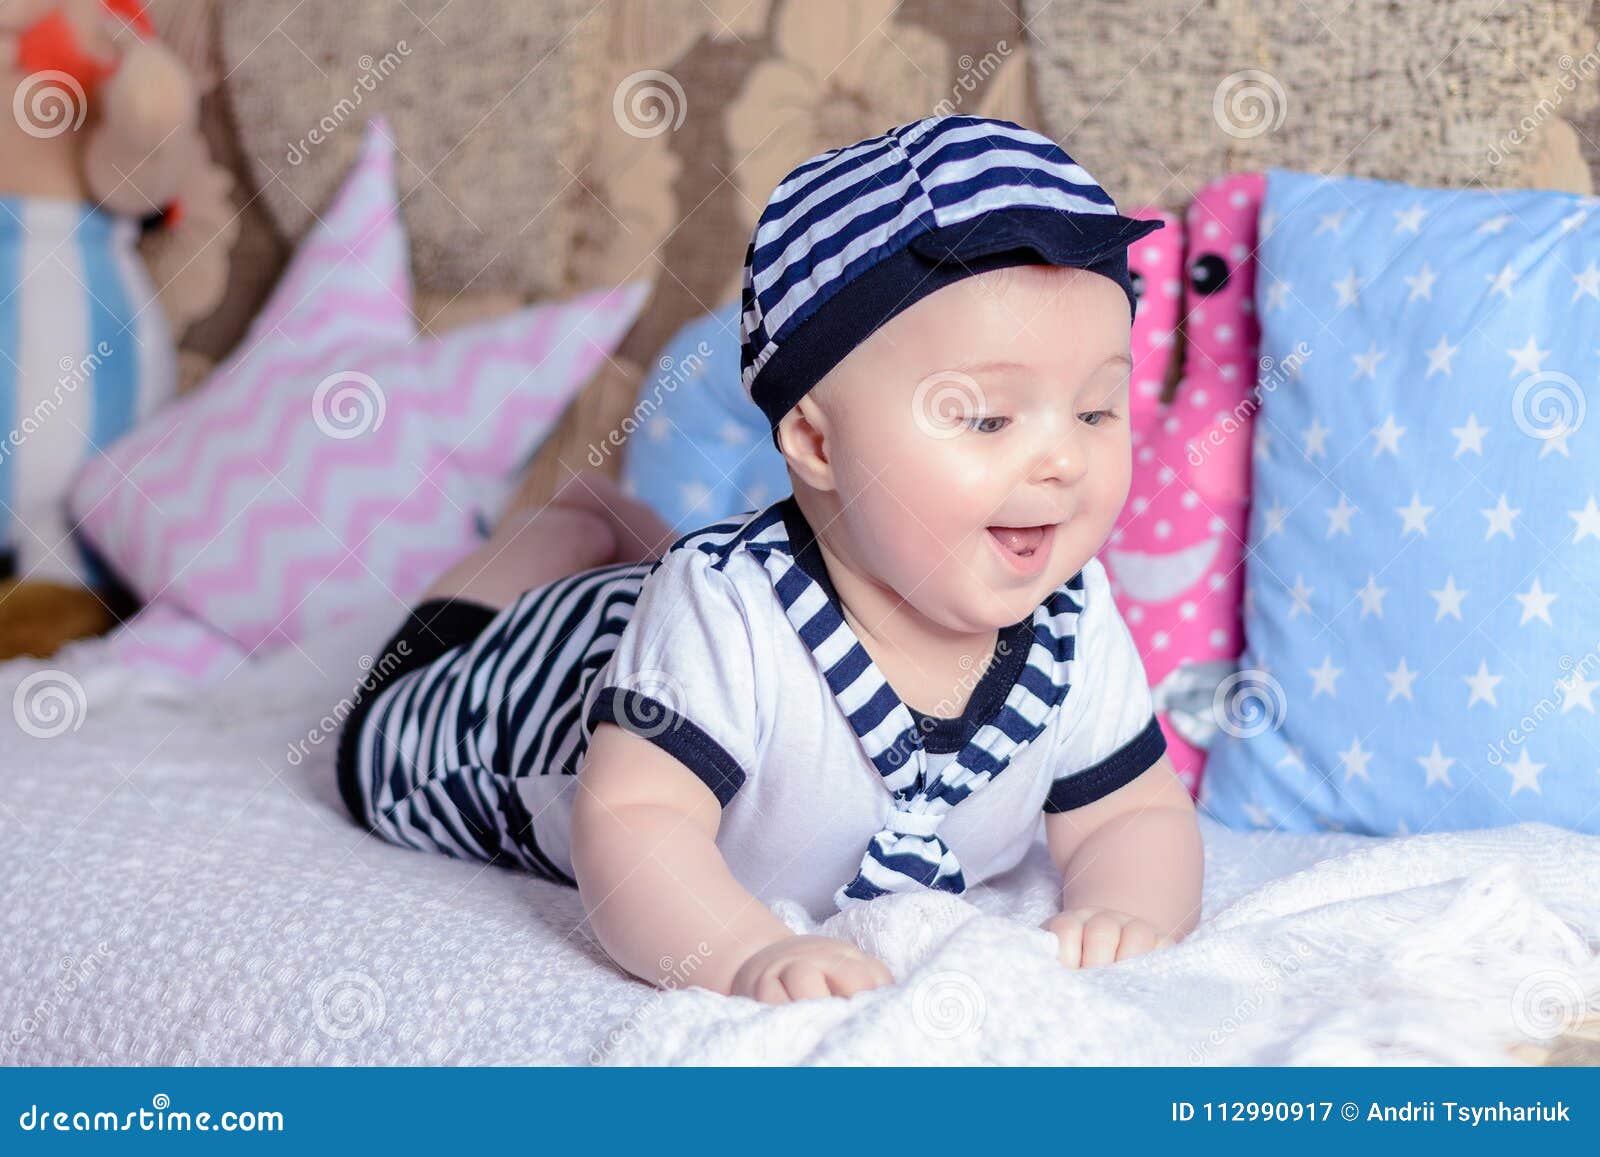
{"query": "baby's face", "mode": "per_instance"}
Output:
(980, 441)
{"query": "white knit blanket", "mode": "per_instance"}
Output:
(181, 886)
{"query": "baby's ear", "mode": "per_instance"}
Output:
(803, 441)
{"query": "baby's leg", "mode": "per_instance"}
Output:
(589, 523)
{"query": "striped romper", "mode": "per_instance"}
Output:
(732, 654)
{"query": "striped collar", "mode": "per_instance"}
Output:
(940, 734)
(910, 852)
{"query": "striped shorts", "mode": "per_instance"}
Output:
(470, 728)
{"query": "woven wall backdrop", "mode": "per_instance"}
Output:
(1164, 95)
(483, 97)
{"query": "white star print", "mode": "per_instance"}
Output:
(1470, 436)
(1339, 517)
(1275, 517)
(1415, 515)
(1573, 220)
(1449, 599)
(1528, 359)
(1331, 222)
(1387, 437)
(1500, 517)
(1316, 436)
(1258, 815)
(1301, 596)
(1400, 680)
(1439, 357)
(1348, 288)
(733, 434)
(1421, 283)
(1355, 761)
(1367, 363)
(1587, 283)
(1535, 604)
(1437, 764)
(1501, 282)
(1278, 294)
(1295, 757)
(657, 428)
(692, 495)
(1577, 692)
(1588, 520)
(1555, 442)
(1494, 225)
(1325, 676)
(1372, 597)
(1525, 774)
(1483, 685)
(1409, 220)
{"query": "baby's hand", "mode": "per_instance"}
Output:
(798, 967)
(1092, 936)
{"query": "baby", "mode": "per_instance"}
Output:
(875, 685)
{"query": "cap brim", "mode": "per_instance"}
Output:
(1054, 236)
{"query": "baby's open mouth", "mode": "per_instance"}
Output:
(1024, 550)
(1021, 541)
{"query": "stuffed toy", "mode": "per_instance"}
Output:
(101, 139)
(1176, 558)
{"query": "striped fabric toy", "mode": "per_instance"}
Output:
(868, 230)
(85, 353)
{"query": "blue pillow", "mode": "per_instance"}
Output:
(700, 449)
(1422, 592)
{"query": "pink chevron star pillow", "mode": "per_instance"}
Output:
(337, 462)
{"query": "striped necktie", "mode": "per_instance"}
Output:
(909, 854)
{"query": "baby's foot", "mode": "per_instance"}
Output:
(529, 548)
(639, 531)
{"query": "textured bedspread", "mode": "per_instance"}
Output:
(181, 885)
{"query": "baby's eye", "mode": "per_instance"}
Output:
(1099, 415)
(984, 424)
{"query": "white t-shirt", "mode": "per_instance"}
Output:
(723, 665)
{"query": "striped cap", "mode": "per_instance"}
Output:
(855, 235)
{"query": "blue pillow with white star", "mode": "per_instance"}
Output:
(1422, 589)
(698, 449)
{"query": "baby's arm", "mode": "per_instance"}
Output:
(661, 899)
(1134, 853)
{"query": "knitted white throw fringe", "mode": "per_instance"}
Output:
(183, 887)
